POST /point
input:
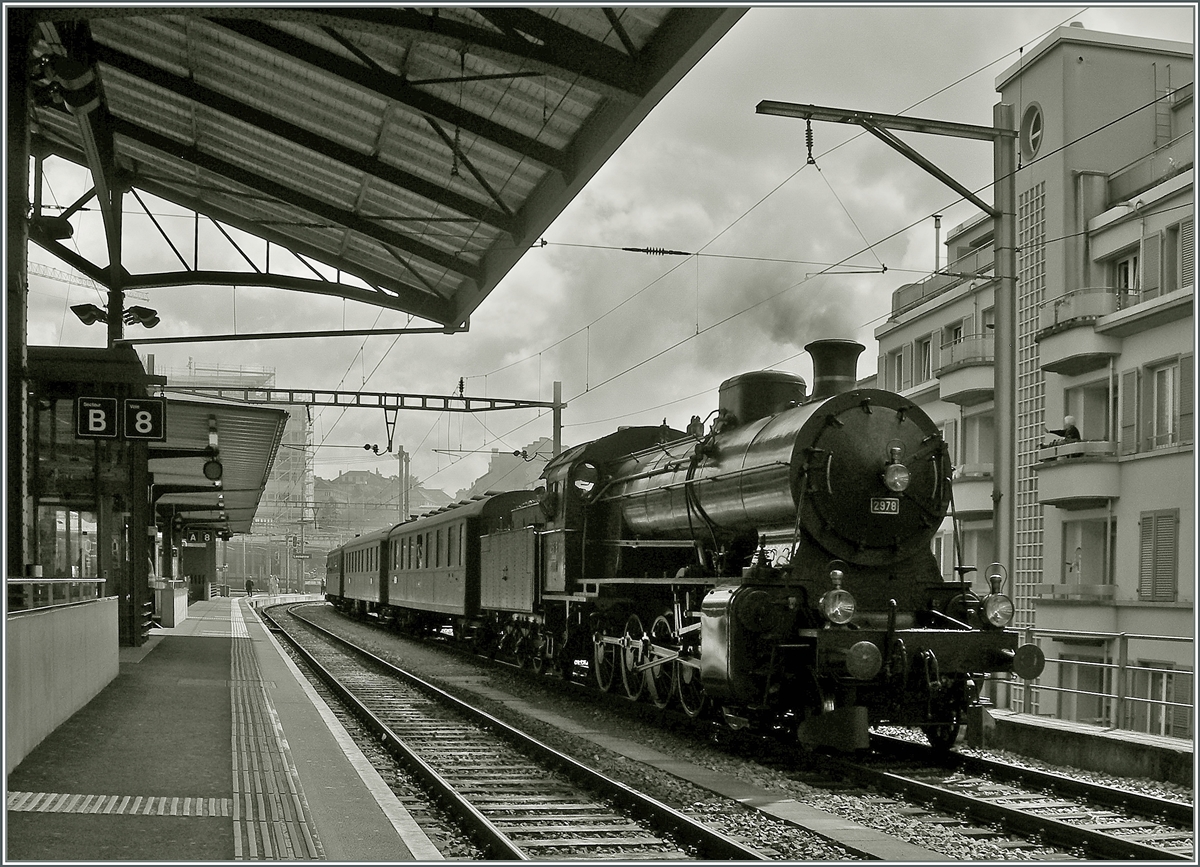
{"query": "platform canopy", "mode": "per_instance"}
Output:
(213, 465)
(409, 155)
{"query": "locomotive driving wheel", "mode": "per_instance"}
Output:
(632, 655)
(661, 678)
(692, 696)
(604, 661)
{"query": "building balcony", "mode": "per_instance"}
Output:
(1068, 342)
(968, 375)
(1078, 475)
(973, 492)
(1077, 592)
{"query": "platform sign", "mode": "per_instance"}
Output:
(95, 418)
(145, 418)
(198, 537)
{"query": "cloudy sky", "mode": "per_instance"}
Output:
(635, 339)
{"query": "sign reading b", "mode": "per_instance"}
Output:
(95, 417)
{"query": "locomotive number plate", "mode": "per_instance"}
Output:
(885, 505)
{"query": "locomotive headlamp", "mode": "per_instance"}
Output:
(864, 660)
(998, 609)
(838, 606)
(895, 475)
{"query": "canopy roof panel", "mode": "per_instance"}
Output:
(419, 151)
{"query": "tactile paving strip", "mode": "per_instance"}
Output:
(116, 805)
(271, 819)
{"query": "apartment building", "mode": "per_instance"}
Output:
(1104, 526)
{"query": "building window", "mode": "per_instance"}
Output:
(943, 552)
(1125, 273)
(949, 429)
(1160, 700)
(898, 375)
(978, 547)
(1164, 381)
(1093, 409)
(1032, 130)
(1089, 549)
(1167, 260)
(1157, 406)
(924, 359)
(979, 440)
(1159, 557)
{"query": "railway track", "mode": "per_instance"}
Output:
(1082, 818)
(519, 799)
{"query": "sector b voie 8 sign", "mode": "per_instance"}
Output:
(142, 418)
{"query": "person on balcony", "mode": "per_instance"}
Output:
(1068, 434)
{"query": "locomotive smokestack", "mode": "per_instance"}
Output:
(835, 363)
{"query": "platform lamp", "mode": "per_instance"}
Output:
(90, 314)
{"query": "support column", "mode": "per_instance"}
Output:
(18, 500)
(1004, 478)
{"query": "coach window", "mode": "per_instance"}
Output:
(438, 549)
(420, 552)
(450, 545)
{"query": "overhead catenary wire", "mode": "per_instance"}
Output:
(595, 386)
(664, 251)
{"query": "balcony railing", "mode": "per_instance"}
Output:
(1120, 702)
(1152, 169)
(26, 594)
(1083, 305)
(1078, 448)
(969, 349)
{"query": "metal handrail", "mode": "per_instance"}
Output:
(29, 594)
(1117, 702)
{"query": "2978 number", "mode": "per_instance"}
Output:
(885, 506)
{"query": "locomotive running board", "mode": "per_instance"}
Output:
(846, 728)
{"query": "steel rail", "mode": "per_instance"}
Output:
(487, 835)
(712, 845)
(1139, 804)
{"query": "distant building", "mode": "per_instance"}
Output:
(1104, 527)
(359, 501)
(508, 471)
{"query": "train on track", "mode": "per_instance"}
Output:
(770, 566)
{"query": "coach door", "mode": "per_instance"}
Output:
(385, 569)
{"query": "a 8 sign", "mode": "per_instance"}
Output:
(143, 418)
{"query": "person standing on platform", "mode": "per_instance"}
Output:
(249, 586)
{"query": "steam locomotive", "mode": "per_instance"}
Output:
(770, 566)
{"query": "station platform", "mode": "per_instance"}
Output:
(209, 745)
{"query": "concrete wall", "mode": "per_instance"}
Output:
(57, 660)
(1086, 747)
